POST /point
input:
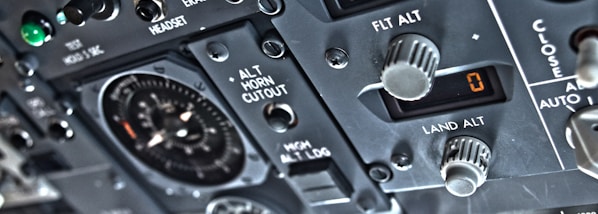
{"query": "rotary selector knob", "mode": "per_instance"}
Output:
(465, 165)
(409, 69)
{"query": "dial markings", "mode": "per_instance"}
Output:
(173, 129)
(129, 129)
(157, 138)
(185, 116)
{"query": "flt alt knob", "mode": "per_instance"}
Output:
(409, 69)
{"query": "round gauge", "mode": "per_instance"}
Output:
(236, 205)
(173, 129)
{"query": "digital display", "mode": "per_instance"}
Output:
(457, 90)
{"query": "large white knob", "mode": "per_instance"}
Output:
(409, 69)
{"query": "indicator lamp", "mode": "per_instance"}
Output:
(36, 29)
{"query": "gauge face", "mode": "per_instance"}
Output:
(173, 129)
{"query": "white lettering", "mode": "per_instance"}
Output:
(245, 73)
(287, 158)
(297, 146)
(441, 127)
(383, 24)
(258, 83)
(549, 50)
(168, 25)
(73, 59)
(409, 17)
(265, 93)
(562, 100)
(74, 45)
(473, 122)
(317, 153)
(452, 126)
(536, 26)
(190, 3)
(573, 87)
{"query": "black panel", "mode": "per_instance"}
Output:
(280, 103)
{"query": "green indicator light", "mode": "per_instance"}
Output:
(33, 34)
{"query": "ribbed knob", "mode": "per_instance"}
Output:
(464, 165)
(409, 69)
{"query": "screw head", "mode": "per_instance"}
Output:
(234, 1)
(401, 162)
(217, 51)
(273, 48)
(337, 58)
(270, 7)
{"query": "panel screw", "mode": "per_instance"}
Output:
(337, 58)
(380, 173)
(27, 65)
(26, 84)
(401, 162)
(270, 7)
(234, 1)
(118, 183)
(217, 51)
(66, 104)
(273, 46)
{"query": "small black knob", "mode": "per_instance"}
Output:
(147, 10)
(79, 11)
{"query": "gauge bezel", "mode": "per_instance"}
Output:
(255, 168)
(227, 199)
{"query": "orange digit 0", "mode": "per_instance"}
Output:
(472, 86)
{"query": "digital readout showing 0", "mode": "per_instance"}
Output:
(457, 90)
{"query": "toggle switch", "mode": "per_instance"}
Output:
(79, 11)
(280, 117)
(409, 69)
(586, 43)
(321, 182)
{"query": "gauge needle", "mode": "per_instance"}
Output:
(185, 116)
(156, 139)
